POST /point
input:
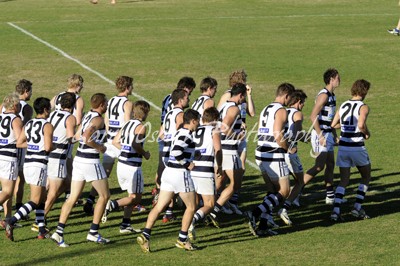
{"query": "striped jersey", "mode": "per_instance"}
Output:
(35, 152)
(128, 154)
(289, 127)
(182, 149)
(230, 144)
(204, 152)
(242, 108)
(22, 105)
(198, 105)
(57, 104)
(166, 107)
(116, 117)
(267, 147)
(327, 113)
(169, 131)
(58, 119)
(85, 153)
(8, 140)
(350, 135)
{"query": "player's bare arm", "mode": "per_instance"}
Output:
(140, 133)
(362, 121)
(279, 127)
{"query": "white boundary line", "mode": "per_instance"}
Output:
(92, 70)
(78, 62)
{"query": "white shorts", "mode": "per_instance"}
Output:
(176, 180)
(317, 147)
(294, 163)
(231, 162)
(9, 170)
(35, 175)
(242, 146)
(88, 171)
(130, 178)
(352, 158)
(57, 168)
(275, 169)
(204, 185)
(111, 153)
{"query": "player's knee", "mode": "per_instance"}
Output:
(7, 193)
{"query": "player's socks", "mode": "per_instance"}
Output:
(198, 216)
(126, 222)
(91, 199)
(269, 203)
(23, 211)
(94, 229)
(329, 192)
(60, 229)
(183, 236)
(217, 209)
(287, 204)
(40, 218)
(362, 189)
(114, 205)
(147, 233)
(338, 199)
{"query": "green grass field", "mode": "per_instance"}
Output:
(159, 41)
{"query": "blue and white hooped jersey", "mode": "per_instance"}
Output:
(22, 106)
(128, 154)
(350, 135)
(289, 127)
(166, 107)
(8, 140)
(204, 152)
(267, 147)
(58, 119)
(198, 105)
(116, 115)
(230, 144)
(182, 149)
(327, 113)
(57, 104)
(242, 108)
(35, 152)
(169, 131)
(85, 153)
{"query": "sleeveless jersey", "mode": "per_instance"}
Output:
(350, 135)
(242, 108)
(58, 119)
(289, 127)
(327, 113)
(204, 162)
(128, 154)
(182, 149)
(22, 105)
(86, 154)
(8, 141)
(116, 117)
(267, 147)
(166, 107)
(169, 131)
(57, 104)
(198, 105)
(35, 153)
(230, 144)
